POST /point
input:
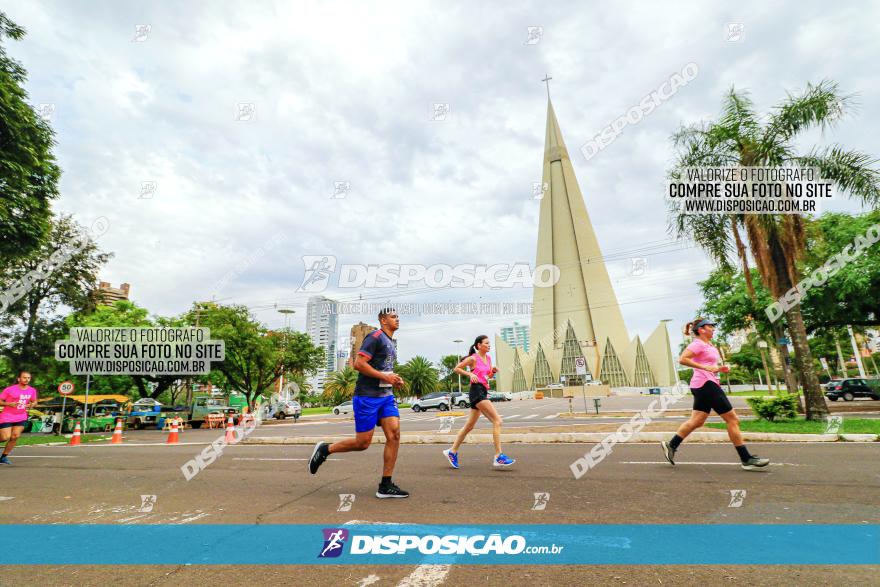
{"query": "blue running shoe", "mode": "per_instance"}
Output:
(452, 457)
(4, 460)
(503, 461)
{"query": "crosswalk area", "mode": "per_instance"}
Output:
(405, 417)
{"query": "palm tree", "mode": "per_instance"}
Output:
(420, 376)
(776, 242)
(339, 385)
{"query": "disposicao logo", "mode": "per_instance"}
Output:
(334, 542)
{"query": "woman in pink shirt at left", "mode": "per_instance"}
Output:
(15, 401)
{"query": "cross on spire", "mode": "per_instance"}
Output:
(546, 80)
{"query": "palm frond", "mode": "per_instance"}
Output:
(852, 171)
(821, 104)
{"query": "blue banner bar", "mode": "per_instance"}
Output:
(613, 544)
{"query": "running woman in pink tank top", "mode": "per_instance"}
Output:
(481, 370)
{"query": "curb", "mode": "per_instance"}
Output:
(859, 437)
(569, 437)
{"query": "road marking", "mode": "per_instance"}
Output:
(5, 498)
(18, 456)
(701, 463)
(130, 520)
(266, 459)
(511, 417)
(551, 416)
(426, 576)
(530, 416)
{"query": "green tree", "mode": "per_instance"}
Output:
(419, 376)
(63, 271)
(776, 242)
(125, 313)
(339, 385)
(852, 295)
(448, 378)
(28, 172)
(255, 356)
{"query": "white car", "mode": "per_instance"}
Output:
(343, 408)
(288, 409)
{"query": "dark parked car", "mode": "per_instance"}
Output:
(849, 389)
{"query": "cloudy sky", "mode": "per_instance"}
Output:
(345, 91)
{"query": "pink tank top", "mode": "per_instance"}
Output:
(482, 369)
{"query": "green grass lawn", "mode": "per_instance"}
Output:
(801, 426)
(26, 439)
(322, 410)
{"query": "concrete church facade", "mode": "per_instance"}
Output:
(578, 317)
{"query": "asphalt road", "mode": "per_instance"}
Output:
(260, 484)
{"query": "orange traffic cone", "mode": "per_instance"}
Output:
(230, 432)
(75, 440)
(173, 435)
(117, 433)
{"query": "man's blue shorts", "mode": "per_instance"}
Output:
(369, 410)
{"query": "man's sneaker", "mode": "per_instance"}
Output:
(4, 460)
(668, 452)
(755, 463)
(503, 460)
(319, 455)
(391, 490)
(452, 457)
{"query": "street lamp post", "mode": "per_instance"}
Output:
(458, 359)
(286, 312)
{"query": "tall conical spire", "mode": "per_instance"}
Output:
(566, 239)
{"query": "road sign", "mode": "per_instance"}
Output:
(65, 388)
(580, 365)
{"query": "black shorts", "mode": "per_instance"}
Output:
(477, 393)
(711, 397)
(12, 424)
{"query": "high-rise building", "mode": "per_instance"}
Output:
(322, 328)
(577, 320)
(516, 336)
(106, 294)
(358, 333)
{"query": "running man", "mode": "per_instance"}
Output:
(703, 357)
(373, 403)
(15, 400)
(480, 362)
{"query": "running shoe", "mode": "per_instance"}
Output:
(452, 457)
(319, 455)
(755, 463)
(668, 452)
(4, 460)
(503, 460)
(391, 491)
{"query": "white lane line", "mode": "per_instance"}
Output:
(131, 519)
(44, 457)
(530, 416)
(510, 417)
(426, 576)
(5, 498)
(267, 459)
(702, 463)
(550, 417)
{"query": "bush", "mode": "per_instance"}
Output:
(783, 407)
